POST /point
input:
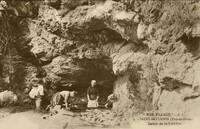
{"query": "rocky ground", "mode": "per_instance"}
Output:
(23, 118)
(102, 118)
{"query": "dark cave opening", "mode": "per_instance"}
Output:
(192, 44)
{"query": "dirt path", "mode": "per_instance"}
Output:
(16, 118)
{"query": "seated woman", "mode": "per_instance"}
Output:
(110, 100)
(93, 95)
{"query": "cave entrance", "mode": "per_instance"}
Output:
(105, 88)
(192, 44)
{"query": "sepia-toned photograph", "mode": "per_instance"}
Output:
(99, 64)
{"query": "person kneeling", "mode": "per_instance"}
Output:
(112, 98)
(66, 95)
(59, 98)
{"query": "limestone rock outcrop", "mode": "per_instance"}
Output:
(8, 98)
(145, 52)
(133, 48)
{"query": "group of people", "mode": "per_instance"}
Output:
(61, 98)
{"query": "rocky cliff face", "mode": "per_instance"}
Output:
(145, 52)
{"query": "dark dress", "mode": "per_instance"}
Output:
(93, 92)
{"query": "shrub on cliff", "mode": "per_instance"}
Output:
(171, 16)
(169, 19)
(179, 16)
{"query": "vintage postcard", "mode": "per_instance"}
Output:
(91, 64)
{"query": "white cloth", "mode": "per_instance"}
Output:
(93, 104)
(36, 91)
(41, 90)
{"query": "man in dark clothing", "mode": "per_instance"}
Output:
(93, 95)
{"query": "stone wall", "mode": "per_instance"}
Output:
(143, 51)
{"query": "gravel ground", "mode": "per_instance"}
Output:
(28, 118)
(102, 118)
